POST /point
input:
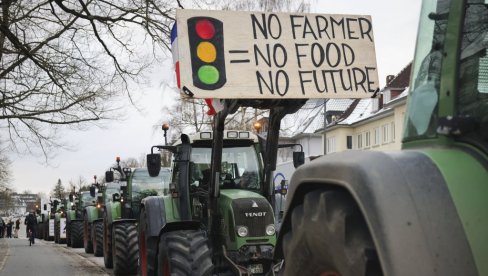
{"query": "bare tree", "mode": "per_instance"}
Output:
(63, 62)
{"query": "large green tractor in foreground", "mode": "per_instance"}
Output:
(94, 215)
(121, 217)
(75, 228)
(201, 228)
(419, 211)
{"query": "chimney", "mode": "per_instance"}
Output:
(389, 78)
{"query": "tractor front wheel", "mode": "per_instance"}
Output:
(87, 242)
(68, 235)
(76, 233)
(97, 237)
(107, 243)
(184, 253)
(125, 248)
(329, 236)
(148, 248)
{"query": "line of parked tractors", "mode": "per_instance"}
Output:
(104, 220)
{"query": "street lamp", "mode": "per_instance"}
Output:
(257, 126)
(165, 128)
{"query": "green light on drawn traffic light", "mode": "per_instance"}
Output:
(208, 74)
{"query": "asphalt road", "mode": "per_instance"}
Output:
(46, 258)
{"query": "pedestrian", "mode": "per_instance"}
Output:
(17, 227)
(9, 229)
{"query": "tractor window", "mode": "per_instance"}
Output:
(473, 69)
(87, 199)
(143, 185)
(240, 168)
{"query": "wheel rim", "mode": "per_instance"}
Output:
(143, 255)
(330, 273)
(165, 267)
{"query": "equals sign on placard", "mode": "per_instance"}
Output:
(239, 60)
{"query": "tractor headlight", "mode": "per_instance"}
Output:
(242, 231)
(270, 230)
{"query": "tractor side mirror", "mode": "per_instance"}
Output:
(71, 197)
(153, 164)
(45, 207)
(92, 191)
(109, 176)
(116, 197)
(284, 187)
(298, 158)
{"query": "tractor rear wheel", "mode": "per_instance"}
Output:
(97, 237)
(125, 249)
(148, 248)
(76, 233)
(329, 236)
(107, 243)
(87, 241)
(68, 234)
(184, 253)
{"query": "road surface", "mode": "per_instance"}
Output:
(46, 258)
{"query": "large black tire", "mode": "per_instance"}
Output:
(329, 236)
(68, 235)
(97, 237)
(148, 248)
(107, 243)
(125, 249)
(46, 230)
(56, 231)
(87, 241)
(76, 234)
(184, 253)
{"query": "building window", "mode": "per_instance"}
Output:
(386, 134)
(349, 142)
(393, 131)
(331, 145)
(360, 141)
(368, 139)
(376, 136)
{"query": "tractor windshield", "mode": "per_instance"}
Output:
(471, 102)
(87, 199)
(143, 185)
(240, 168)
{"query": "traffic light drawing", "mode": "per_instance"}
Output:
(206, 37)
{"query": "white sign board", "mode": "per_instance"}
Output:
(225, 54)
(62, 224)
(51, 227)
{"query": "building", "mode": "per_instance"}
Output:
(371, 124)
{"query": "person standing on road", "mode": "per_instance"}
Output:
(17, 227)
(31, 222)
(9, 229)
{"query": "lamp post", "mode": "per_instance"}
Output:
(165, 128)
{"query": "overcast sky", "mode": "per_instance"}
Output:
(394, 25)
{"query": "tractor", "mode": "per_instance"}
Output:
(205, 225)
(75, 228)
(421, 210)
(49, 225)
(95, 213)
(60, 223)
(120, 217)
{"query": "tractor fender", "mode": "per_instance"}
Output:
(98, 220)
(156, 214)
(118, 221)
(91, 213)
(180, 225)
(405, 202)
(113, 211)
(70, 215)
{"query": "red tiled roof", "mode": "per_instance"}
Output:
(401, 80)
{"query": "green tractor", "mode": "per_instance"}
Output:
(49, 225)
(42, 216)
(75, 228)
(120, 217)
(95, 213)
(422, 210)
(60, 223)
(206, 225)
